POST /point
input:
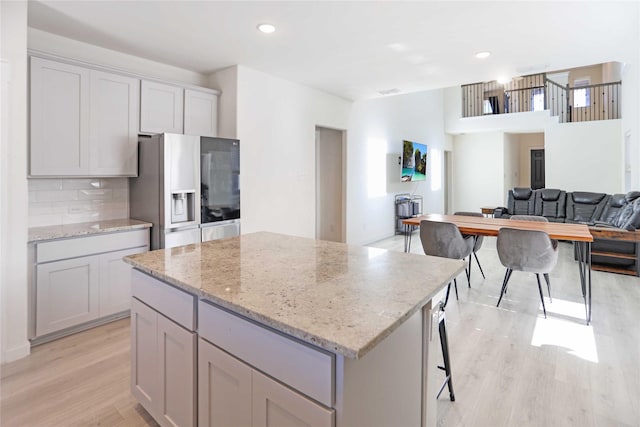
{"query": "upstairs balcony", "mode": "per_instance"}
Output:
(538, 92)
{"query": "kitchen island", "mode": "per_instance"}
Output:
(267, 329)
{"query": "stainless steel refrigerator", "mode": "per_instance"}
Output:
(166, 191)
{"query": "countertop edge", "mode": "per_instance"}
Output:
(35, 238)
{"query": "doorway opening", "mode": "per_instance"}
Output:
(330, 184)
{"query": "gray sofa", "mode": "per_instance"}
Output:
(612, 220)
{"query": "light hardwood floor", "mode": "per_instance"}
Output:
(511, 367)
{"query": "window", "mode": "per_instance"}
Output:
(537, 99)
(581, 97)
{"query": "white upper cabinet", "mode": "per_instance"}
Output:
(161, 108)
(200, 113)
(84, 122)
(59, 119)
(114, 124)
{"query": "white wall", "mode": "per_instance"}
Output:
(77, 50)
(478, 168)
(13, 181)
(276, 121)
(376, 131)
(227, 82)
(585, 156)
(511, 162)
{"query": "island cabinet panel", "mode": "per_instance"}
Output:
(275, 405)
(163, 366)
(161, 108)
(67, 293)
(145, 384)
(224, 388)
(307, 369)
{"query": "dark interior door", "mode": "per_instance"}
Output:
(537, 169)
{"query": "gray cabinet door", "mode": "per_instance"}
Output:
(200, 113)
(145, 383)
(114, 110)
(177, 364)
(67, 293)
(275, 405)
(59, 112)
(224, 388)
(115, 281)
(161, 108)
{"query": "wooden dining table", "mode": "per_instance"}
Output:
(579, 234)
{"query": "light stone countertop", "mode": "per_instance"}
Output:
(51, 232)
(339, 297)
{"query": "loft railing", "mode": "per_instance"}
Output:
(536, 93)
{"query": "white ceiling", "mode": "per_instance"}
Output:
(345, 48)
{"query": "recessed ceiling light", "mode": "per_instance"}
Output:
(389, 91)
(398, 47)
(484, 54)
(266, 28)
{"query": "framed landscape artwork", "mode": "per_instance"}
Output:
(414, 161)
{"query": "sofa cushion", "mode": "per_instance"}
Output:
(550, 194)
(521, 201)
(583, 197)
(585, 207)
(551, 204)
(612, 209)
(521, 193)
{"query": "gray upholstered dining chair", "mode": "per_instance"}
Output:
(536, 218)
(477, 245)
(526, 250)
(443, 239)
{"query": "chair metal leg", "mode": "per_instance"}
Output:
(506, 288)
(446, 298)
(507, 275)
(444, 343)
(479, 266)
(455, 286)
(546, 278)
(544, 310)
(468, 271)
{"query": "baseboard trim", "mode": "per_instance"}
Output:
(15, 353)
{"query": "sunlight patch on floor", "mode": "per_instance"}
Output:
(572, 335)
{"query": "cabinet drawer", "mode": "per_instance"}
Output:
(172, 302)
(309, 370)
(89, 245)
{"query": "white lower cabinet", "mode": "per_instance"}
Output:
(67, 293)
(80, 282)
(163, 358)
(232, 393)
(115, 281)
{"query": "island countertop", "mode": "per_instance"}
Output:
(342, 298)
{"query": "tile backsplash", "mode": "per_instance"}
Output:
(68, 201)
